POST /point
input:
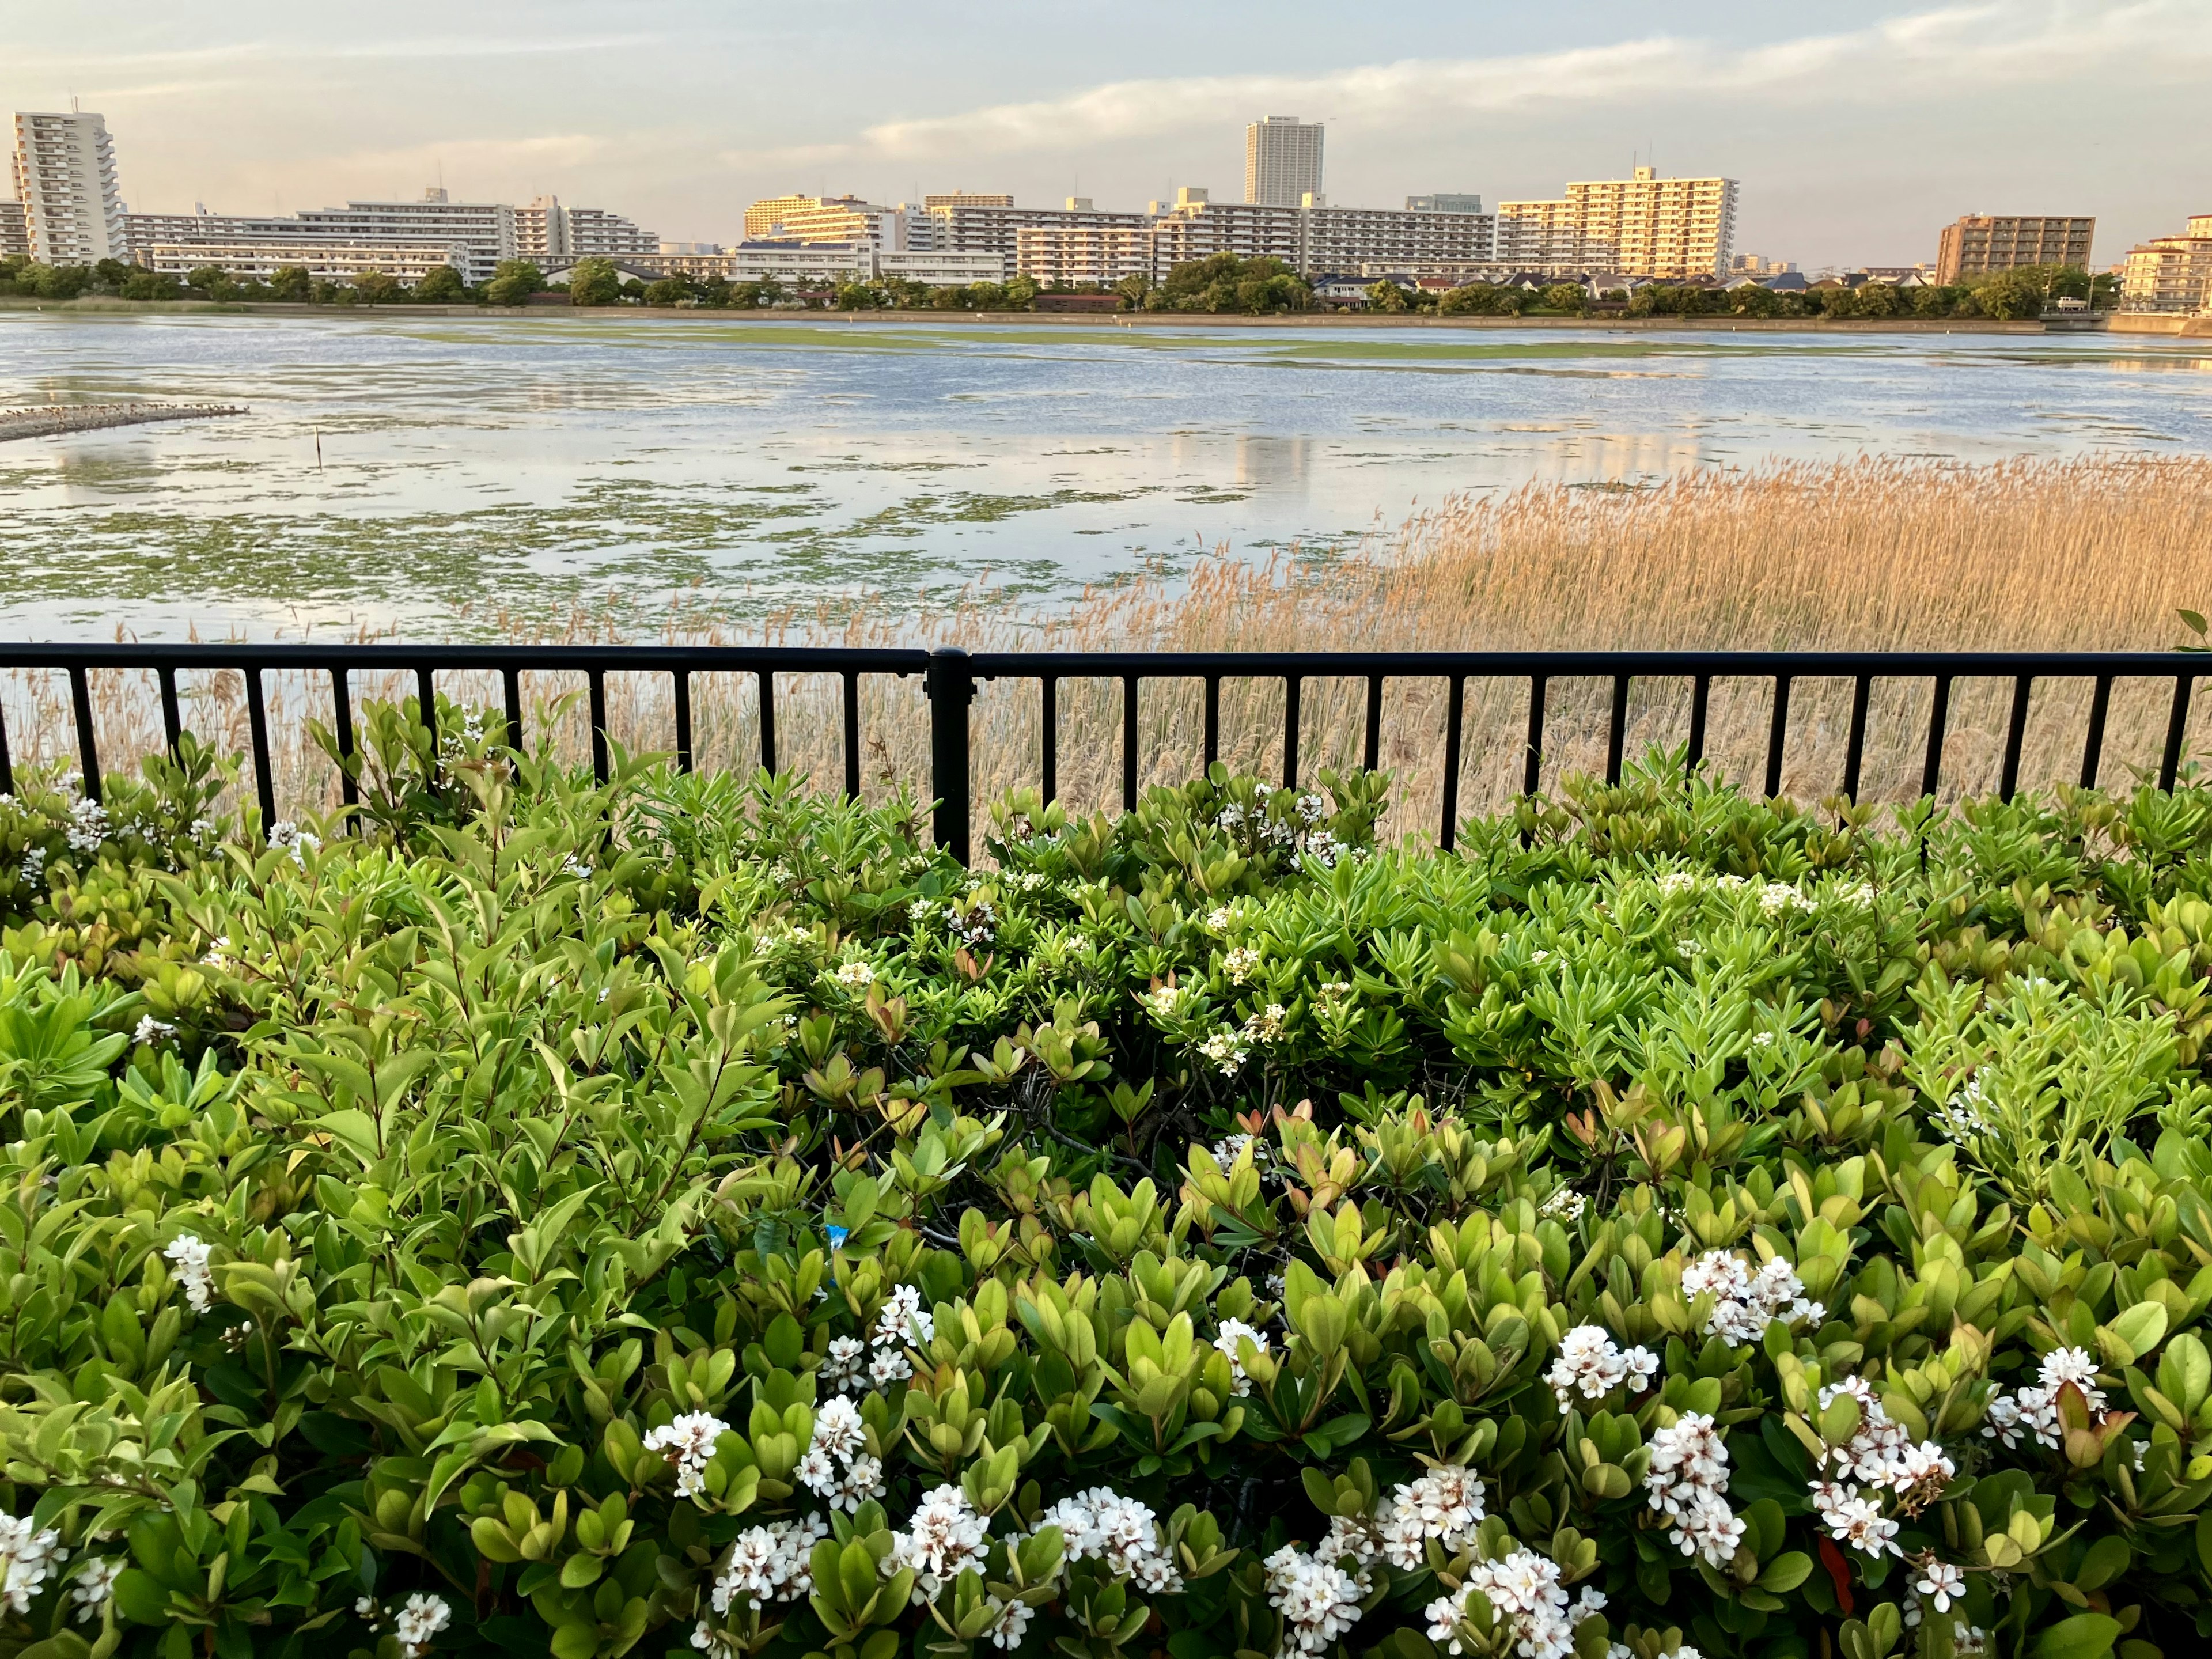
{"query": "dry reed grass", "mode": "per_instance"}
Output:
(1875, 554)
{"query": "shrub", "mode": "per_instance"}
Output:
(687, 1213)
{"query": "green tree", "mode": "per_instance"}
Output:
(514, 282)
(111, 273)
(2010, 297)
(1568, 297)
(441, 287)
(1133, 289)
(292, 283)
(1484, 299)
(668, 291)
(1021, 294)
(1224, 282)
(57, 282)
(377, 287)
(985, 296)
(149, 285)
(213, 281)
(1384, 294)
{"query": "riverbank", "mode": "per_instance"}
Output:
(1133, 319)
(58, 418)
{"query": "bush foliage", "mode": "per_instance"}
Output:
(689, 1214)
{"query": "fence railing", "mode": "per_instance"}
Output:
(951, 676)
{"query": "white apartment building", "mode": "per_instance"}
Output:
(1444, 202)
(1642, 226)
(826, 219)
(1081, 252)
(1419, 242)
(939, 268)
(325, 260)
(1282, 161)
(482, 232)
(1197, 227)
(792, 261)
(15, 229)
(64, 172)
(2171, 274)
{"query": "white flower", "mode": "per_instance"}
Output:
(1241, 962)
(1565, 1204)
(1318, 1599)
(1265, 1026)
(151, 1030)
(87, 826)
(1854, 1519)
(847, 1354)
(1227, 1050)
(1101, 1525)
(573, 865)
(1688, 1480)
(944, 1537)
(856, 975)
(689, 1443)
(1779, 898)
(1675, 883)
(769, 1563)
(1219, 920)
(190, 1257)
(1232, 1331)
(420, 1621)
(1745, 1302)
(1009, 1620)
(95, 1586)
(27, 1558)
(1941, 1584)
(1160, 1004)
(1523, 1589)
(903, 1319)
(1590, 1364)
(889, 1367)
(2036, 1408)
(285, 833)
(838, 1429)
(35, 865)
(921, 910)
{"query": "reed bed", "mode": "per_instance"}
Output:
(2088, 553)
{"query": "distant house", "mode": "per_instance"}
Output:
(1346, 293)
(624, 269)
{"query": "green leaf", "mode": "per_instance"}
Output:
(2084, 1636)
(2137, 1331)
(1786, 1572)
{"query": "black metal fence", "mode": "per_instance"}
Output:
(950, 678)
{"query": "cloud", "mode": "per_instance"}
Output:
(427, 48)
(1949, 48)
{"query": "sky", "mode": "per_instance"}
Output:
(1856, 133)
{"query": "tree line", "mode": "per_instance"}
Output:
(1222, 283)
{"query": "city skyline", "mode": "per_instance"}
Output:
(1855, 144)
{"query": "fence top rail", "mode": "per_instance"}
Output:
(986, 664)
(248, 653)
(1570, 663)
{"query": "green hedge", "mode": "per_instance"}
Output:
(689, 1214)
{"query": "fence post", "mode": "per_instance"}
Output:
(950, 685)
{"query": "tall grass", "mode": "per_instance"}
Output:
(1875, 554)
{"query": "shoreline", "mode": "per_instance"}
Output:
(56, 419)
(2105, 322)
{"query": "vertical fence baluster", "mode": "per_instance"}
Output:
(342, 711)
(1777, 735)
(2177, 726)
(1855, 745)
(1213, 719)
(1532, 765)
(1291, 688)
(768, 719)
(1048, 732)
(1701, 696)
(2093, 747)
(598, 684)
(2015, 735)
(426, 703)
(1372, 753)
(1616, 728)
(173, 724)
(1128, 742)
(852, 734)
(1454, 712)
(1939, 713)
(88, 741)
(257, 725)
(950, 686)
(510, 685)
(681, 688)
(7, 764)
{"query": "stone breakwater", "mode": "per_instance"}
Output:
(58, 418)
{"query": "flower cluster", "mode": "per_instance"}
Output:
(1565, 1205)
(838, 1465)
(1960, 1118)
(687, 1443)
(943, 1538)
(1688, 1481)
(1160, 1001)
(190, 1258)
(1523, 1590)
(1101, 1525)
(901, 1322)
(768, 1564)
(1241, 962)
(87, 826)
(1745, 1302)
(1879, 1453)
(1233, 1333)
(1779, 898)
(856, 975)
(1318, 1599)
(977, 925)
(288, 836)
(1591, 1363)
(95, 1587)
(2035, 1409)
(419, 1621)
(1228, 1050)
(151, 1030)
(28, 1555)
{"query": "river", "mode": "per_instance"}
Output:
(432, 474)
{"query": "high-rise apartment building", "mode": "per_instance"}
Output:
(1198, 227)
(1983, 244)
(968, 198)
(1445, 202)
(1337, 240)
(2171, 273)
(825, 219)
(1658, 228)
(15, 229)
(63, 172)
(1282, 161)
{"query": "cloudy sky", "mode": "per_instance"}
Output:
(1856, 130)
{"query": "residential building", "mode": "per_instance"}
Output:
(324, 259)
(825, 219)
(1197, 227)
(1282, 161)
(64, 174)
(1078, 248)
(702, 262)
(2171, 273)
(939, 268)
(1757, 264)
(15, 229)
(1642, 226)
(789, 260)
(546, 231)
(1418, 240)
(763, 216)
(482, 232)
(1444, 203)
(953, 198)
(1058, 240)
(1981, 244)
